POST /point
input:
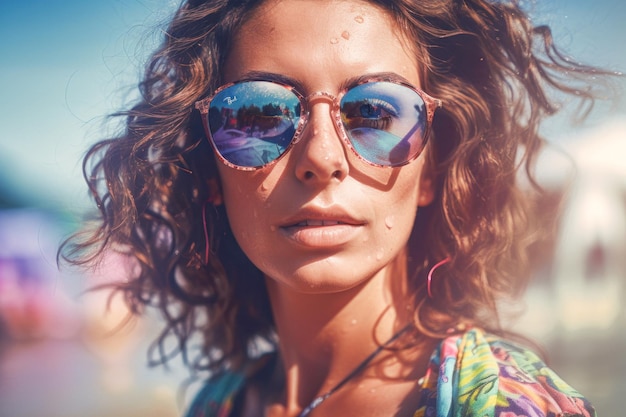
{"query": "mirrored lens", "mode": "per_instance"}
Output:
(385, 122)
(252, 123)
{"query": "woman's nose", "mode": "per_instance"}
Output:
(321, 156)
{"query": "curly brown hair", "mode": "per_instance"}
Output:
(492, 68)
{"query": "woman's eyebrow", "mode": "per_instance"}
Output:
(272, 76)
(378, 76)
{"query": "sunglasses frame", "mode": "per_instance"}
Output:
(430, 103)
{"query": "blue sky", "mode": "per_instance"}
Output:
(64, 65)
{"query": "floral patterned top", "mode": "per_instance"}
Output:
(473, 374)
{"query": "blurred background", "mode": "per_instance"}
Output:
(65, 65)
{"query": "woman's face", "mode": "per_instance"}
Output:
(320, 219)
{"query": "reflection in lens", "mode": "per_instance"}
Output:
(252, 123)
(384, 121)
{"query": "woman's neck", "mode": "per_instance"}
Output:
(323, 337)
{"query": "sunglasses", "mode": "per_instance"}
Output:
(253, 123)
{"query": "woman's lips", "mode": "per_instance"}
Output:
(322, 233)
(317, 223)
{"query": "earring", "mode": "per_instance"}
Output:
(205, 228)
(214, 199)
(430, 274)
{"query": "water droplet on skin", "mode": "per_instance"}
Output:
(389, 220)
(379, 254)
(273, 228)
(334, 40)
(345, 34)
(264, 187)
(359, 19)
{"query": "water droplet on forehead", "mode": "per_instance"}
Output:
(334, 40)
(359, 19)
(345, 34)
(389, 221)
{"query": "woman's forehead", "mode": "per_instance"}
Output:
(306, 36)
(342, 16)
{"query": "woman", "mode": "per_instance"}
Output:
(320, 196)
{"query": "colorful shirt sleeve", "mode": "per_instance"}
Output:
(216, 397)
(479, 375)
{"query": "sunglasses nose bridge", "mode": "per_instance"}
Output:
(323, 96)
(320, 96)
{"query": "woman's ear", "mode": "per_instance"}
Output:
(427, 179)
(215, 192)
(426, 190)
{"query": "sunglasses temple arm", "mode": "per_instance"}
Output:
(202, 106)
